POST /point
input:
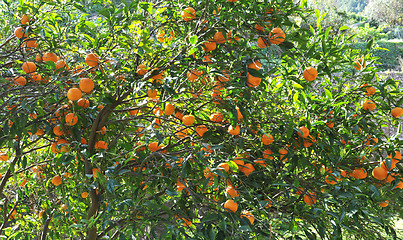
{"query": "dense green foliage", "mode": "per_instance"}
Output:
(294, 146)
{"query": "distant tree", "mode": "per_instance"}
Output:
(385, 11)
(356, 6)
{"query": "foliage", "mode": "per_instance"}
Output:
(385, 11)
(130, 168)
(366, 32)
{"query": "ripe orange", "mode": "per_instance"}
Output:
(101, 145)
(259, 28)
(359, 173)
(180, 186)
(310, 74)
(304, 132)
(283, 152)
(396, 112)
(310, 198)
(58, 131)
(49, 56)
(248, 215)
(276, 36)
(188, 120)
(74, 94)
(95, 172)
(169, 109)
(247, 169)
(395, 156)
(142, 69)
(36, 77)
(61, 64)
(330, 124)
(219, 37)
(224, 166)
(153, 146)
(267, 139)
(224, 77)
(82, 102)
(252, 81)
(92, 59)
(255, 65)
(210, 45)
(188, 14)
(193, 75)
(217, 117)
(384, 203)
(370, 91)
(86, 85)
(29, 67)
(267, 154)
(57, 180)
(234, 131)
(20, 32)
(20, 80)
(71, 119)
(368, 105)
(64, 145)
(25, 19)
(359, 64)
(379, 173)
(262, 43)
(201, 130)
(3, 156)
(84, 195)
(231, 205)
(30, 43)
(38, 58)
(152, 93)
(230, 190)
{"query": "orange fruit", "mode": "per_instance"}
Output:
(201, 130)
(86, 85)
(267, 154)
(142, 69)
(359, 64)
(231, 205)
(370, 91)
(210, 45)
(84, 195)
(330, 124)
(276, 36)
(20, 32)
(230, 190)
(92, 59)
(255, 65)
(49, 56)
(252, 81)
(384, 203)
(193, 75)
(304, 132)
(3, 156)
(359, 173)
(234, 131)
(330, 181)
(310, 74)
(368, 105)
(20, 80)
(259, 28)
(74, 94)
(395, 156)
(57, 180)
(30, 43)
(219, 37)
(396, 112)
(25, 19)
(62, 65)
(95, 172)
(101, 145)
(283, 152)
(217, 117)
(188, 14)
(82, 102)
(58, 131)
(64, 145)
(224, 77)
(169, 109)
(379, 173)
(310, 198)
(248, 215)
(224, 166)
(29, 67)
(262, 43)
(153, 146)
(247, 169)
(152, 93)
(36, 77)
(71, 119)
(188, 120)
(267, 139)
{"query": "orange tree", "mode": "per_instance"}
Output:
(208, 119)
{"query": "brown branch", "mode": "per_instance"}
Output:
(46, 226)
(7, 40)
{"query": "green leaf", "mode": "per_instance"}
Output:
(343, 28)
(370, 44)
(193, 39)
(328, 94)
